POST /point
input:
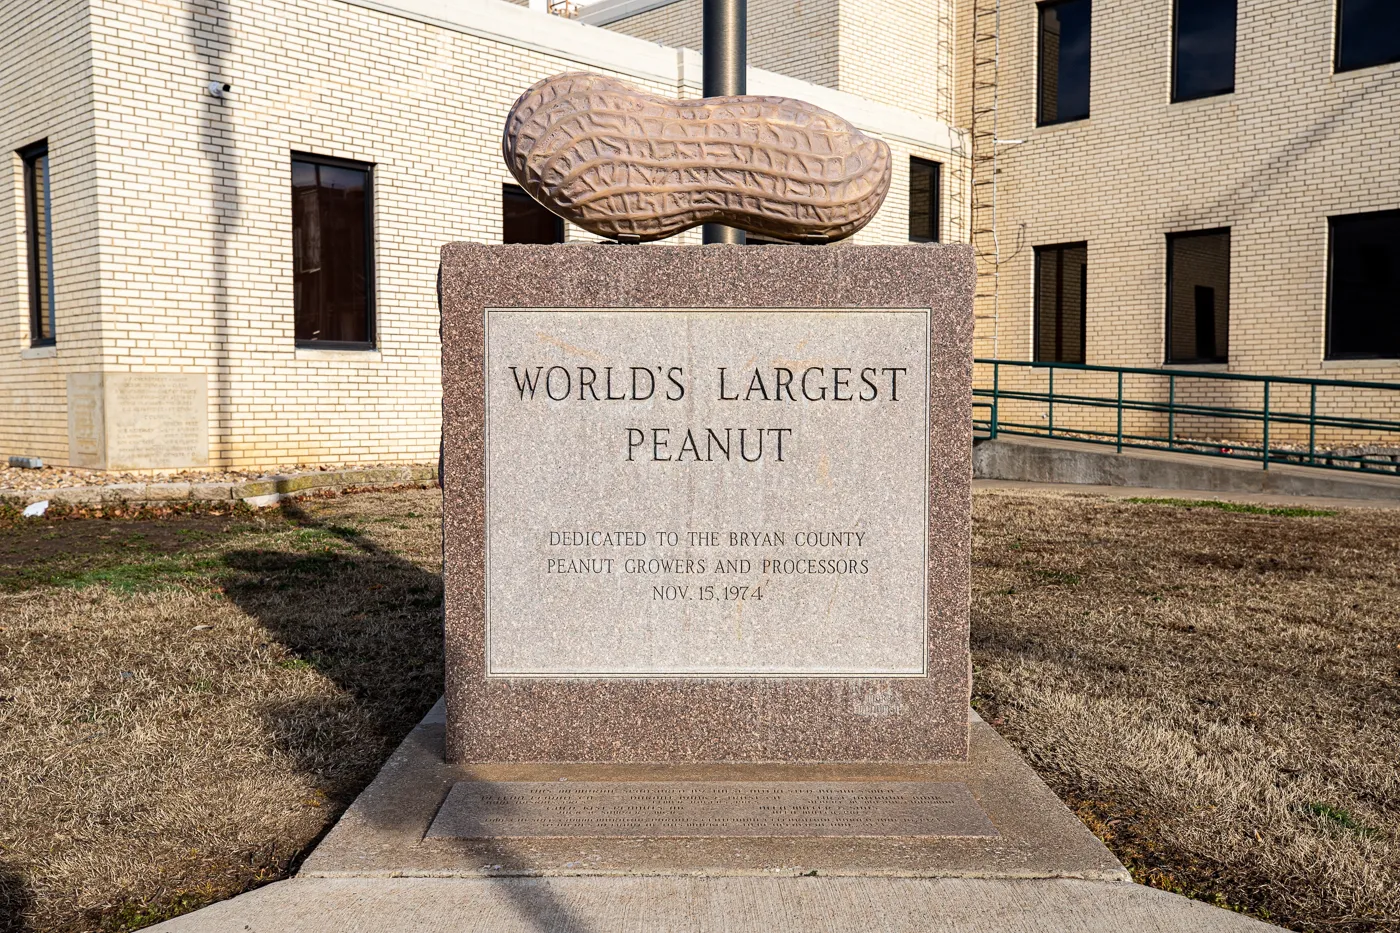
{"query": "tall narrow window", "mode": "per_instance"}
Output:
(1061, 285)
(38, 222)
(525, 220)
(1064, 61)
(924, 183)
(1363, 286)
(1198, 296)
(1368, 33)
(1203, 48)
(333, 252)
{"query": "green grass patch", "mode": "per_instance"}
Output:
(295, 664)
(153, 573)
(1245, 508)
(1338, 818)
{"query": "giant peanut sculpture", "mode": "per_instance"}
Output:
(632, 166)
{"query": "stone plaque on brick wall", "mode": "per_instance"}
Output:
(138, 421)
(706, 503)
(706, 492)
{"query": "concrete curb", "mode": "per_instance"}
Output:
(258, 493)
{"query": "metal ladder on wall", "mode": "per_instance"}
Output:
(985, 238)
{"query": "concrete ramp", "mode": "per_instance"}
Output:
(1035, 460)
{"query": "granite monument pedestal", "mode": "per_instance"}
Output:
(706, 503)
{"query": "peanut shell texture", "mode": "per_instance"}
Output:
(633, 166)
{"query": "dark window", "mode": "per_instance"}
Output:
(1061, 284)
(1368, 33)
(38, 223)
(526, 220)
(1203, 48)
(1198, 297)
(1363, 287)
(924, 188)
(1064, 61)
(333, 252)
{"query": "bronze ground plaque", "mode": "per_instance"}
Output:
(699, 809)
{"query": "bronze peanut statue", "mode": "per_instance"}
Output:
(632, 166)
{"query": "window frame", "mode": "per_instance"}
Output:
(29, 157)
(1039, 252)
(1040, 9)
(371, 316)
(1338, 68)
(1328, 352)
(1167, 356)
(935, 197)
(1234, 56)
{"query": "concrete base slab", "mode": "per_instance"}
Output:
(735, 905)
(385, 832)
(376, 873)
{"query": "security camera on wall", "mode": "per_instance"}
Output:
(219, 89)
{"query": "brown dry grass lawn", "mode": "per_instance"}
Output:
(188, 702)
(1217, 694)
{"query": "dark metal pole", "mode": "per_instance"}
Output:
(726, 64)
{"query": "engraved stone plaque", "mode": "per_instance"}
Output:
(138, 421)
(685, 809)
(87, 445)
(706, 492)
(157, 420)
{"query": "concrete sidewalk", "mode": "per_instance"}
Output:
(734, 905)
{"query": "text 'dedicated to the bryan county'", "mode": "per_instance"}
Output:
(706, 492)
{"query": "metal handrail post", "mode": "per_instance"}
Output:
(996, 390)
(1050, 396)
(1266, 424)
(1312, 426)
(1120, 411)
(1171, 411)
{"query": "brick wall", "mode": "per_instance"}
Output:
(896, 53)
(792, 37)
(1294, 144)
(46, 92)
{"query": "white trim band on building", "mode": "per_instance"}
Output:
(610, 11)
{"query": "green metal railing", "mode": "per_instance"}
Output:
(1374, 445)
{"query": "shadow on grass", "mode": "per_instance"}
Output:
(370, 621)
(15, 900)
(365, 618)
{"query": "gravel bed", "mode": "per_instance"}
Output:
(18, 479)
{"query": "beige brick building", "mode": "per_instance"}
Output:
(169, 210)
(1289, 138)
